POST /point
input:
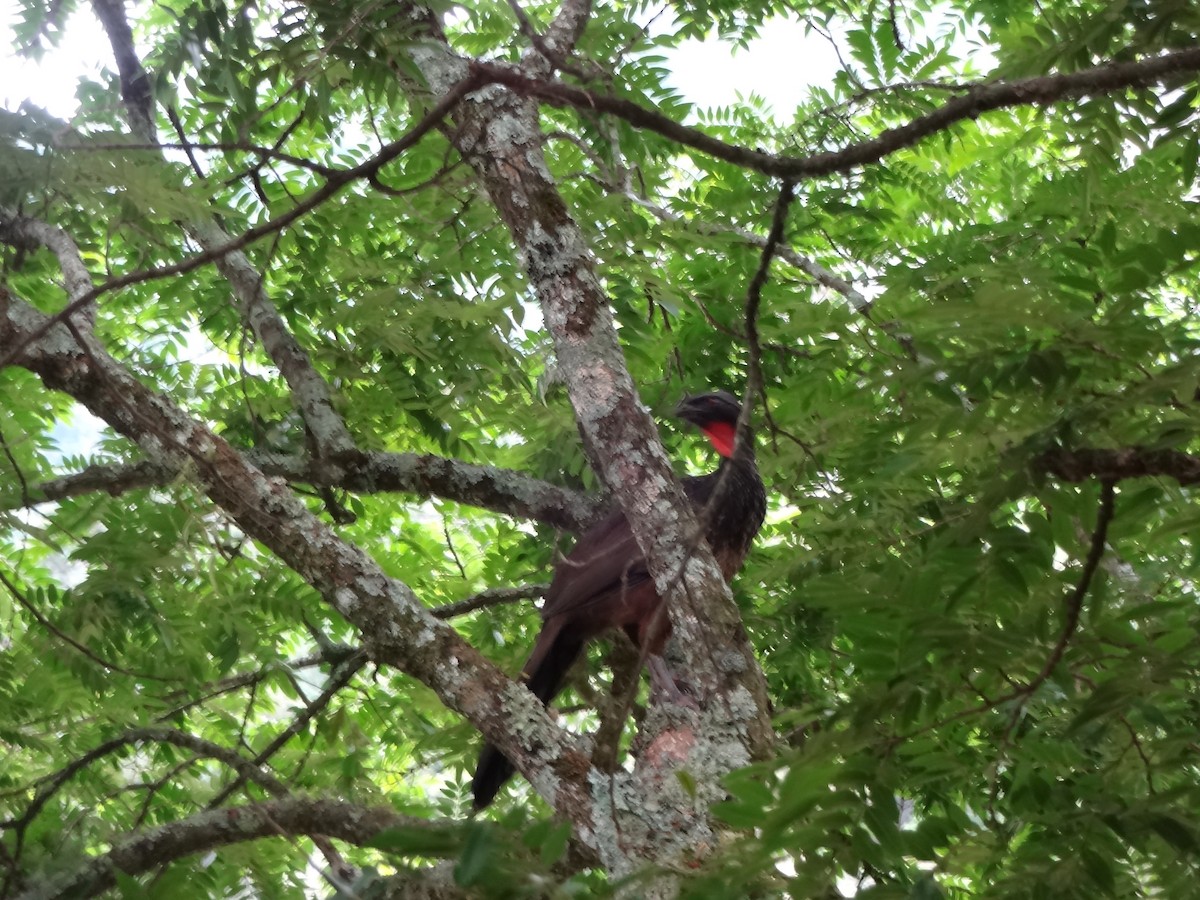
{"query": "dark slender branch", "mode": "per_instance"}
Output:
(809, 267)
(1074, 605)
(625, 662)
(754, 377)
(1037, 91)
(489, 597)
(1041, 90)
(245, 679)
(1119, 464)
(99, 660)
(50, 785)
(500, 490)
(1136, 743)
(26, 500)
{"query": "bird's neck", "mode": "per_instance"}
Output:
(723, 436)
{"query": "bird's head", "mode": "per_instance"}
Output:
(715, 414)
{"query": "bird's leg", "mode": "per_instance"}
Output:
(663, 684)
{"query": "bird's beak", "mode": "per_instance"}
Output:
(684, 408)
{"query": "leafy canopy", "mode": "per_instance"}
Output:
(1023, 282)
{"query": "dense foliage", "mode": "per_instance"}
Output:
(983, 660)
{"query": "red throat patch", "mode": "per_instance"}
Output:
(722, 435)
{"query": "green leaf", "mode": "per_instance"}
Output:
(477, 855)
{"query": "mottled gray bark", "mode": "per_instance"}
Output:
(396, 628)
(499, 490)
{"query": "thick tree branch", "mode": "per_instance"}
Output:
(210, 830)
(499, 136)
(397, 629)
(499, 490)
(567, 28)
(616, 427)
(555, 46)
(1119, 464)
(1037, 91)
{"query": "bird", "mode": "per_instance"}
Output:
(604, 582)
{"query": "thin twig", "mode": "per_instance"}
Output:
(66, 638)
(490, 597)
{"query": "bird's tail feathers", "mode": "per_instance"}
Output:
(553, 655)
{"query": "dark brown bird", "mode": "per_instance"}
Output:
(603, 582)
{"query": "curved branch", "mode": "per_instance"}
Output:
(499, 490)
(1037, 91)
(808, 266)
(341, 676)
(209, 830)
(245, 768)
(23, 231)
(1074, 602)
(25, 603)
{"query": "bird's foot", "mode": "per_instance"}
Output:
(664, 685)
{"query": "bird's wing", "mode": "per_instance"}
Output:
(606, 559)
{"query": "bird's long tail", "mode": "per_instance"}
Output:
(553, 655)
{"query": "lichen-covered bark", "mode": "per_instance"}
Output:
(221, 827)
(500, 490)
(396, 628)
(498, 133)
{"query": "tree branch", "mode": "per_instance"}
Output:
(490, 597)
(247, 769)
(1037, 91)
(341, 676)
(23, 231)
(82, 648)
(223, 248)
(1119, 464)
(311, 395)
(809, 267)
(209, 830)
(1074, 603)
(499, 490)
